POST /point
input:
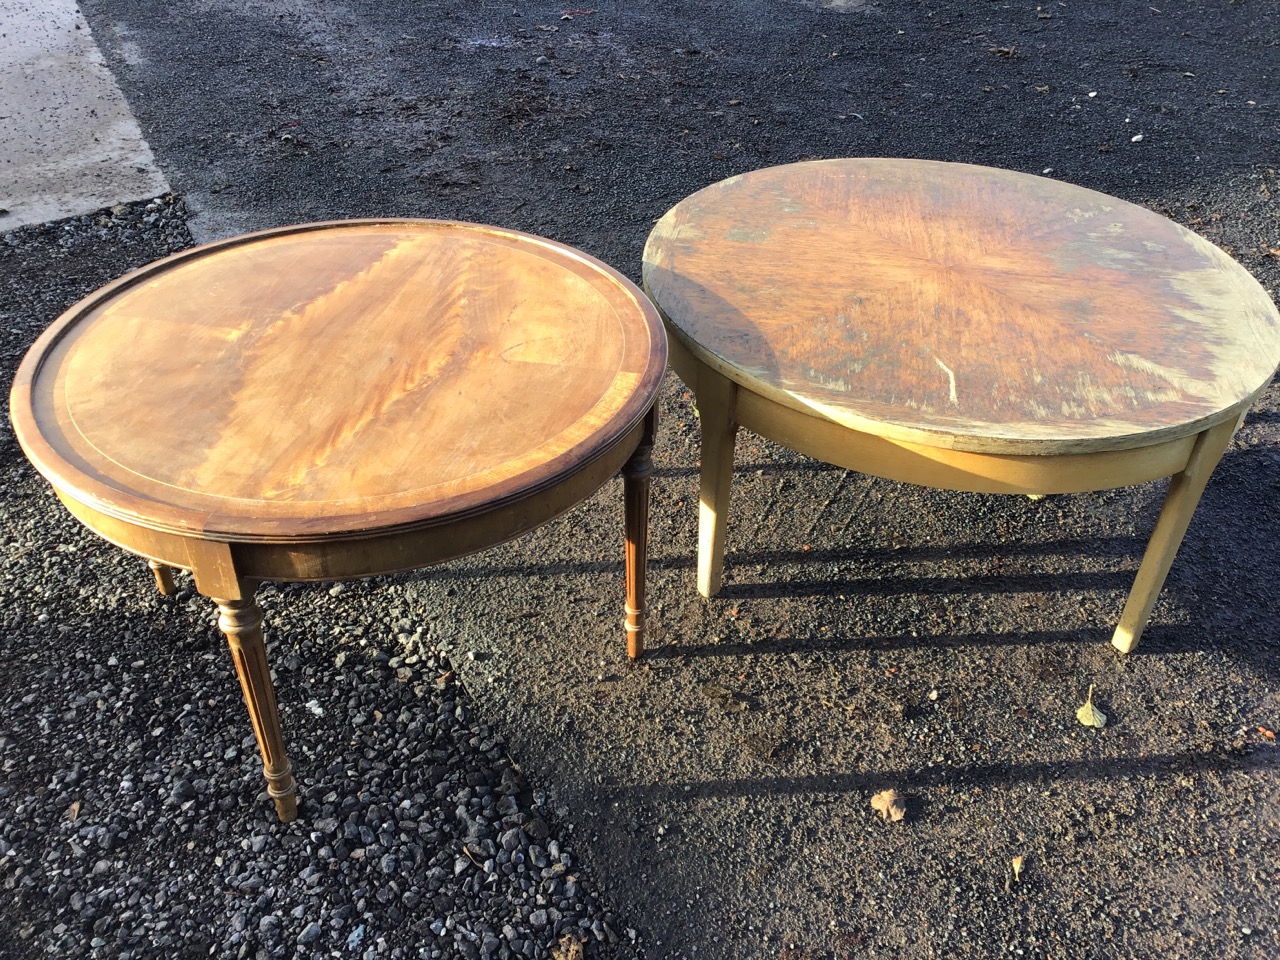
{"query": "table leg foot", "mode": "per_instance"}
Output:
(287, 806)
(636, 475)
(1180, 503)
(241, 621)
(164, 578)
(717, 398)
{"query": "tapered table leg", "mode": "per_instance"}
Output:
(636, 475)
(717, 397)
(1180, 503)
(241, 621)
(164, 578)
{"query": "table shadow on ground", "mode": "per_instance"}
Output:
(913, 782)
(1089, 546)
(794, 644)
(801, 465)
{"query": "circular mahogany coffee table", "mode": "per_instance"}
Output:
(962, 328)
(339, 400)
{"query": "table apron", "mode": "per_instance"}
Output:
(945, 469)
(221, 568)
(212, 558)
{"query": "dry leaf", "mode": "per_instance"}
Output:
(1017, 868)
(889, 805)
(569, 948)
(73, 811)
(1089, 715)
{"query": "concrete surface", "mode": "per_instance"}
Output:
(68, 143)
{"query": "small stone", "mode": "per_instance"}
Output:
(310, 934)
(510, 839)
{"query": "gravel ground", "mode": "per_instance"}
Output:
(871, 635)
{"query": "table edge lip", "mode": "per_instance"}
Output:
(121, 505)
(949, 440)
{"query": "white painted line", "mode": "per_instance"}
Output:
(68, 143)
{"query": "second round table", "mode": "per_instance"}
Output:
(959, 327)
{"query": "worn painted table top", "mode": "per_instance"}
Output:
(962, 306)
(337, 378)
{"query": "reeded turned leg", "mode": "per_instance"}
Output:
(1180, 503)
(241, 621)
(716, 397)
(164, 578)
(635, 485)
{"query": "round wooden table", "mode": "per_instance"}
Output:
(963, 328)
(339, 400)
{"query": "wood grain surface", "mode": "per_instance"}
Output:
(338, 378)
(963, 307)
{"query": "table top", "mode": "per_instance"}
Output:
(962, 307)
(338, 378)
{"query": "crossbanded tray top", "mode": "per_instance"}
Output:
(962, 307)
(337, 378)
